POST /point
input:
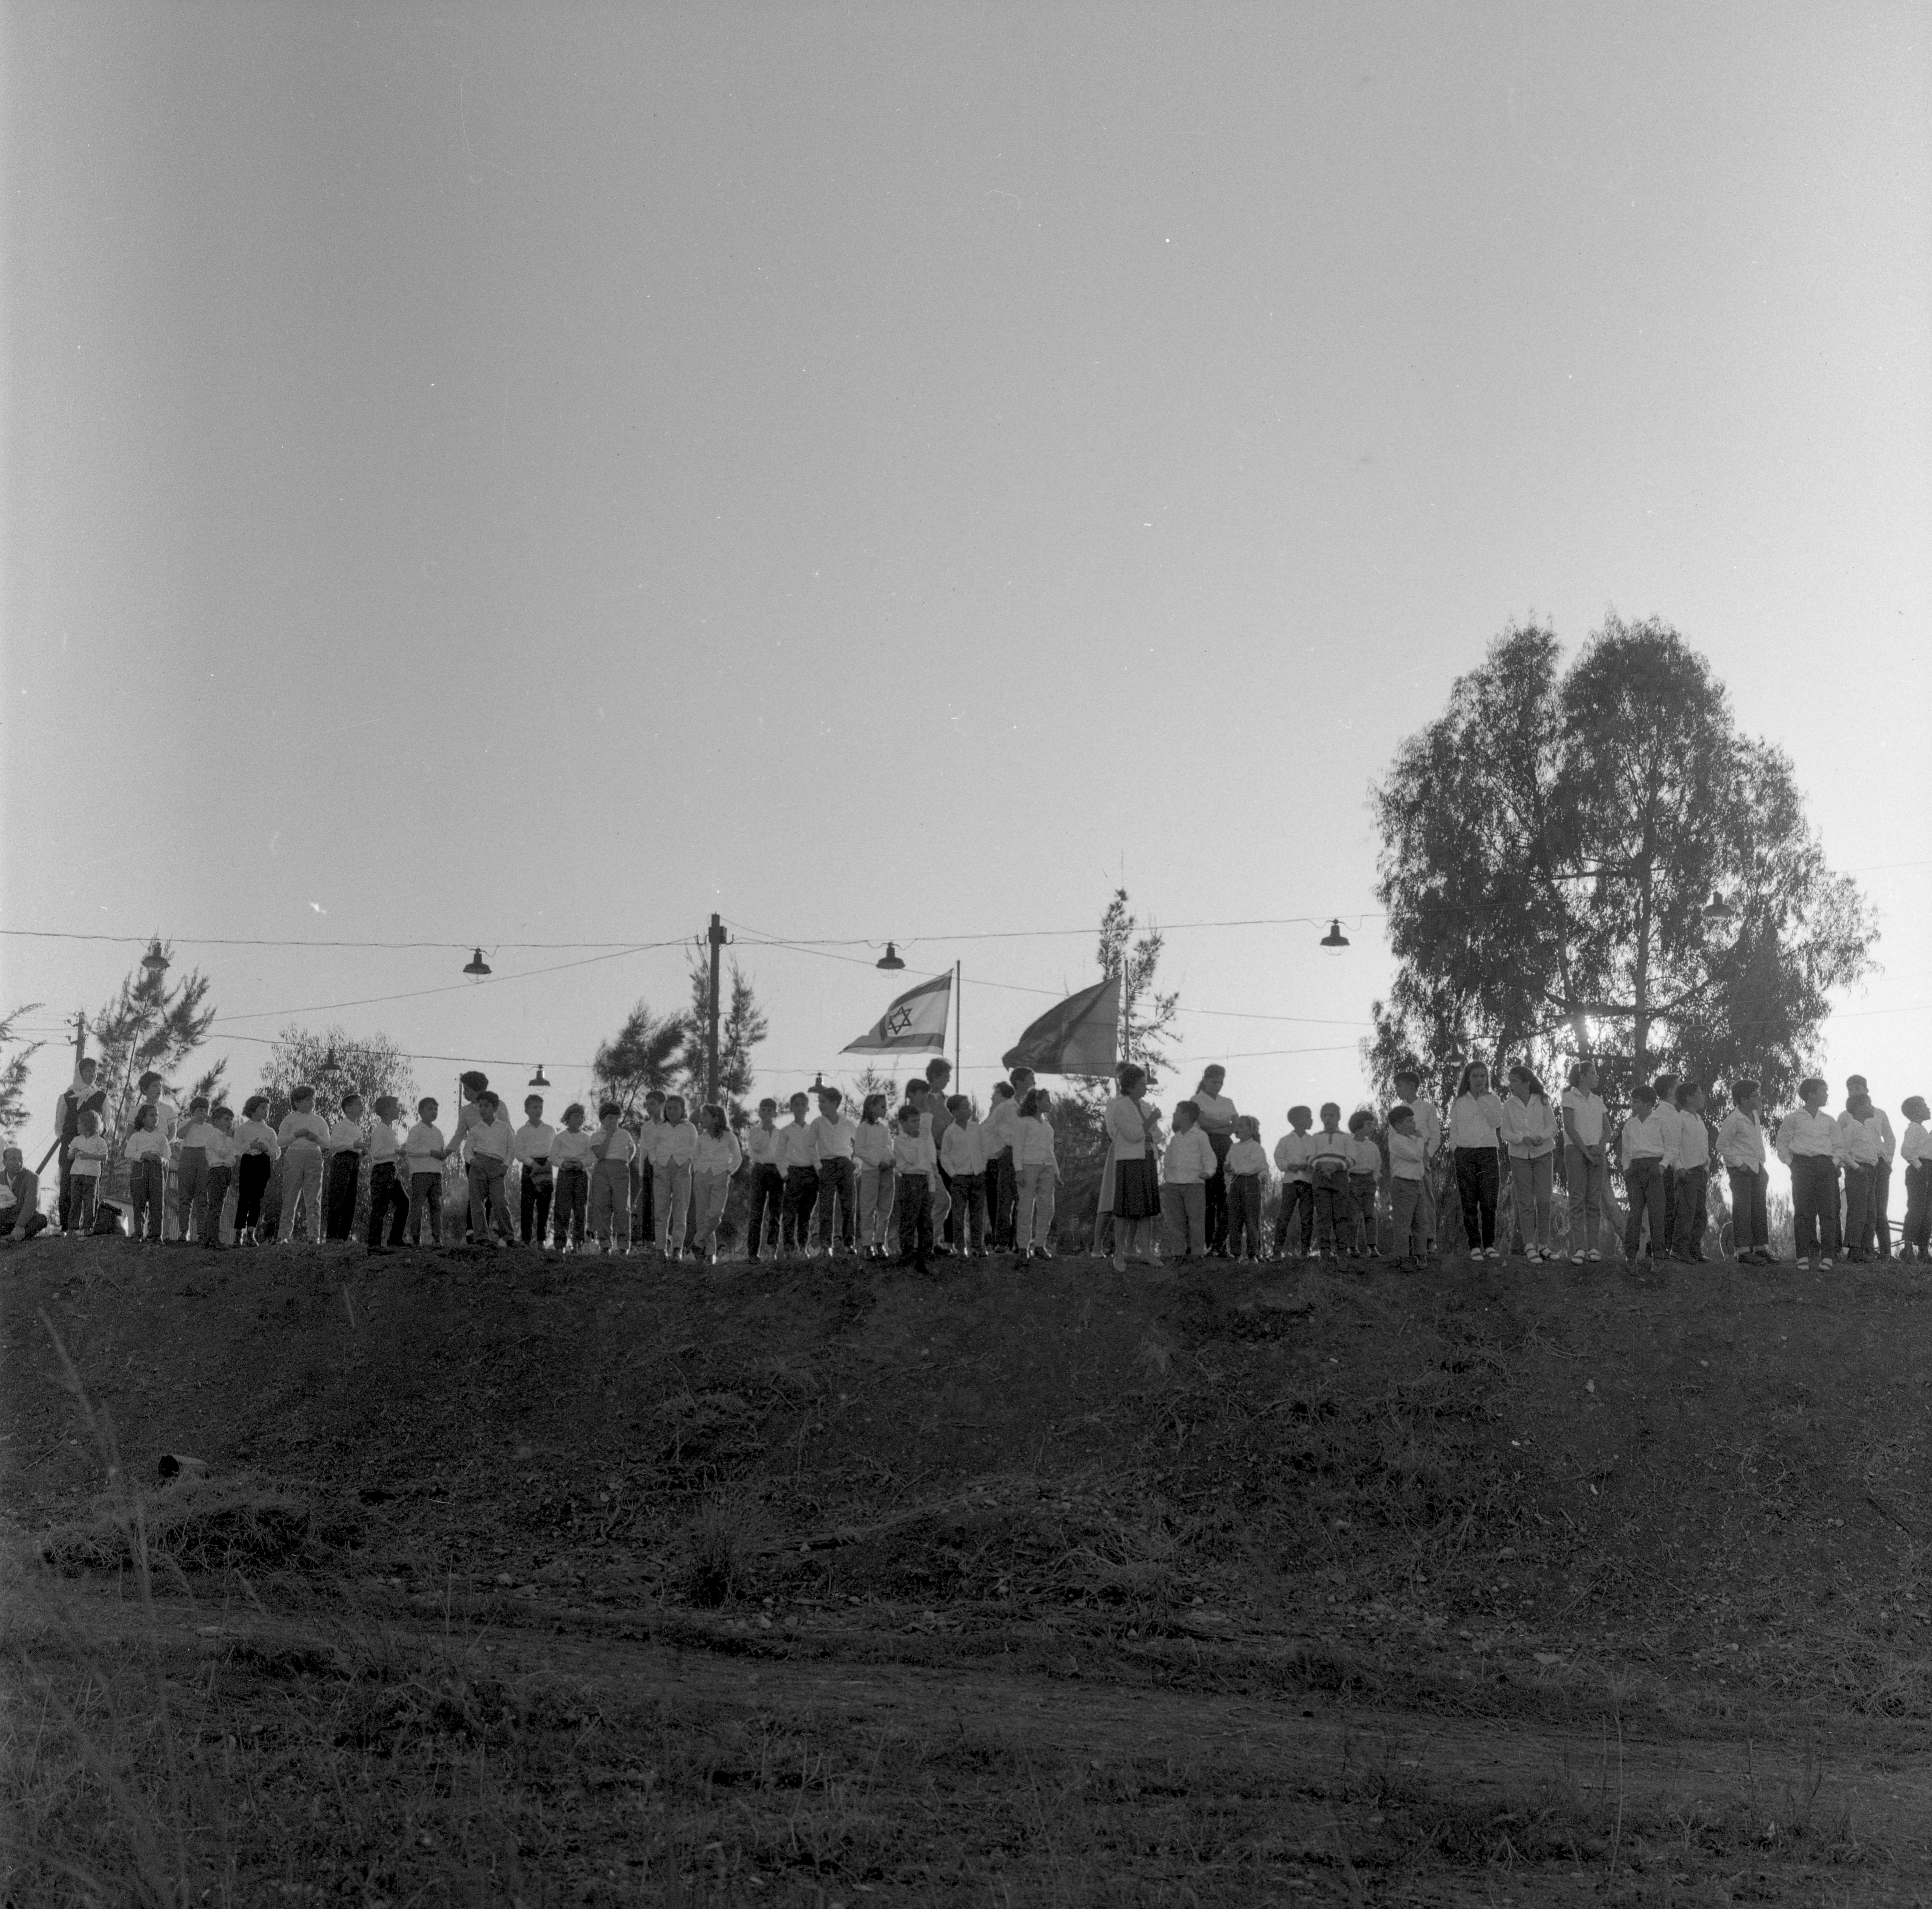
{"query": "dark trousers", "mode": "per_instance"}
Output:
(66, 1184)
(1670, 1178)
(644, 1207)
(1243, 1233)
(969, 1207)
(218, 1194)
(1217, 1193)
(834, 1183)
(1362, 1196)
(425, 1198)
(1688, 1236)
(1860, 1225)
(1295, 1229)
(914, 1199)
(489, 1203)
(1750, 1224)
(1643, 1195)
(572, 1195)
(1814, 1203)
(251, 1183)
(147, 1182)
(80, 1200)
(1881, 1207)
(387, 1200)
(1478, 1179)
(768, 1193)
(533, 1199)
(338, 1197)
(191, 1190)
(1334, 1214)
(1003, 1199)
(948, 1227)
(801, 1195)
(1917, 1231)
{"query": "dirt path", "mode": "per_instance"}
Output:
(1323, 1761)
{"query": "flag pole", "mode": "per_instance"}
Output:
(959, 1016)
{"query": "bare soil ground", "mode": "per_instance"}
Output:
(523, 1581)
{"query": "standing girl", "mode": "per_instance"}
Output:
(872, 1148)
(1039, 1169)
(1217, 1122)
(1529, 1132)
(257, 1151)
(1136, 1187)
(715, 1158)
(1475, 1128)
(145, 1150)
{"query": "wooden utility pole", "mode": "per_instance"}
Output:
(716, 936)
(959, 1028)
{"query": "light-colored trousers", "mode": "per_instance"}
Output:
(1033, 1223)
(302, 1180)
(670, 1204)
(875, 1203)
(610, 1202)
(1530, 1180)
(1589, 1199)
(1183, 1210)
(708, 1191)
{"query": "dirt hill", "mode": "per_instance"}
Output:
(1544, 1529)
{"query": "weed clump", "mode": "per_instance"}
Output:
(224, 1524)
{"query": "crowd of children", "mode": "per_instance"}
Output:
(932, 1176)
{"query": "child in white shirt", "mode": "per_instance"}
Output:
(1694, 1173)
(1037, 1164)
(1408, 1167)
(1331, 1154)
(1246, 1167)
(962, 1156)
(1740, 1148)
(424, 1154)
(571, 1161)
(872, 1153)
(916, 1179)
(145, 1150)
(1186, 1168)
(1645, 1142)
(87, 1159)
(612, 1150)
(536, 1178)
(222, 1150)
(1294, 1157)
(388, 1199)
(342, 1176)
(1365, 1171)
(303, 1134)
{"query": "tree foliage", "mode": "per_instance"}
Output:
(648, 1050)
(1549, 844)
(20, 1054)
(335, 1063)
(1147, 1015)
(741, 1026)
(152, 1024)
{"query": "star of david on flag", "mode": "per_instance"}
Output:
(915, 1023)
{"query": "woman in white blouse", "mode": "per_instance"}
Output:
(1529, 1133)
(1136, 1180)
(714, 1158)
(1217, 1121)
(1475, 1128)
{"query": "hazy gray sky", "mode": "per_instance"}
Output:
(542, 474)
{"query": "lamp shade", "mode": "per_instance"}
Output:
(537, 1079)
(1334, 940)
(153, 961)
(476, 964)
(889, 960)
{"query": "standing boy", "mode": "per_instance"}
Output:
(797, 1150)
(1331, 1154)
(1694, 1172)
(1246, 1167)
(534, 1141)
(192, 1138)
(1365, 1173)
(346, 1148)
(962, 1162)
(488, 1145)
(1888, 1150)
(1644, 1142)
(1294, 1157)
(387, 1198)
(1740, 1148)
(612, 1150)
(81, 1096)
(916, 1174)
(676, 1139)
(1428, 1125)
(572, 1162)
(997, 1133)
(424, 1154)
(767, 1188)
(1808, 1143)
(1408, 1167)
(833, 1141)
(302, 1135)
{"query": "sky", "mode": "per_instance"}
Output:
(529, 477)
